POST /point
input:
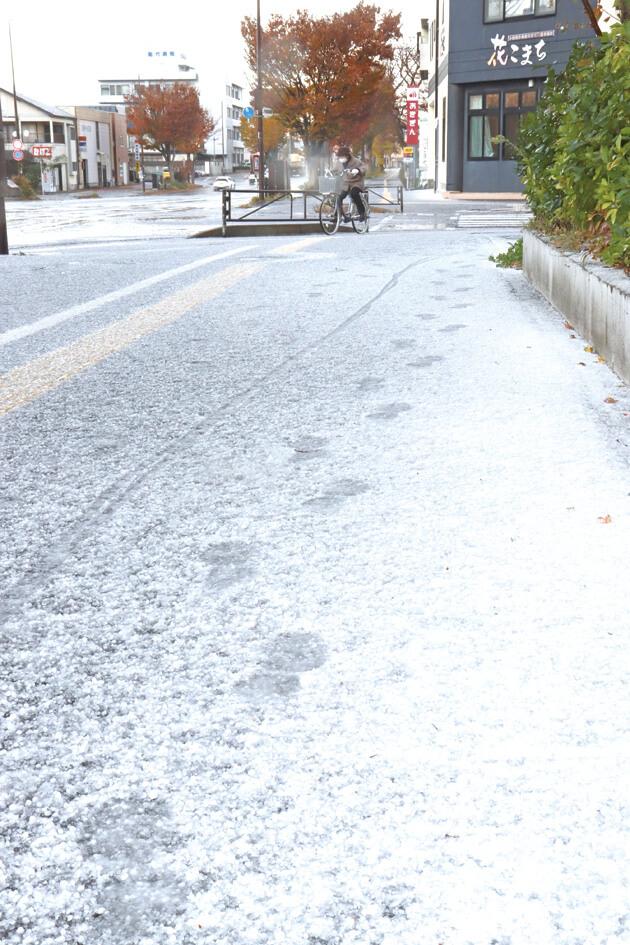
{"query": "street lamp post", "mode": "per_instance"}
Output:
(259, 108)
(4, 241)
(141, 90)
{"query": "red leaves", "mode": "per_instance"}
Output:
(604, 519)
(610, 400)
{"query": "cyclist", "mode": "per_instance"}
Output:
(353, 177)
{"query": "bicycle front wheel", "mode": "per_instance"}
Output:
(361, 226)
(329, 214)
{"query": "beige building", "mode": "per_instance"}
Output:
(50, 131)
(102, 146)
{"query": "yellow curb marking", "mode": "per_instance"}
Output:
(295, 247)
(24, 384)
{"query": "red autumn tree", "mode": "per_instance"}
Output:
(324, 77)
(169, 119)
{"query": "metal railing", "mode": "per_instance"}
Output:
(282, 206)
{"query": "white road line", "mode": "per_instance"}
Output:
(382, 223)
(16, 334)
(28, 382)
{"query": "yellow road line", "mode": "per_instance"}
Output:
(26, 383)
(295, 247)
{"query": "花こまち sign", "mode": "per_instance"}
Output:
(41, 151)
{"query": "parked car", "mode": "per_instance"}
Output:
(253, 179)
(223, 183)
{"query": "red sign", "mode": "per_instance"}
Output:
(413, 127)
(256, 162)
(17, 144)
(42, 150)
(18, 155)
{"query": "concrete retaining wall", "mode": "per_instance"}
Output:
(595, 299)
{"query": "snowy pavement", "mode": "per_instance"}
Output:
(314, 600)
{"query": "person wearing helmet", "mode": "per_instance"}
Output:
(353, 177)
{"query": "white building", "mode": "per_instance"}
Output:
(225, 150)
(159, 67)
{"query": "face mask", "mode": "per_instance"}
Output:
(343, 160)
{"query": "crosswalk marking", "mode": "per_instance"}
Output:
(26, 383)
(490, 219)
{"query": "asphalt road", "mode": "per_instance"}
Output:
(109, 216)
(313, 603)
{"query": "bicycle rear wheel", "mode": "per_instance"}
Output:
(329, 214)
(361, 226)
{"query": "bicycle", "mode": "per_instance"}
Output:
(332, 211)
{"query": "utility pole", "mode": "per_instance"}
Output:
(140, 91)
(259, 108)
(4, 241)
(15, 103)
(222, 139)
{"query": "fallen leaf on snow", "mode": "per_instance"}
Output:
(610, 400)
(602, 360)
(604, 519)
(583, 363)
(570, 327)
(589, 348)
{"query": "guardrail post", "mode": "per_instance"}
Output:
(402, 208)
(224, 196)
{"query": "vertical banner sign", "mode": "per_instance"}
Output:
(413, 126)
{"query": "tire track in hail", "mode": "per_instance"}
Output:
(42, 569)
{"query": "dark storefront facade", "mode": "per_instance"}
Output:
(488, 65)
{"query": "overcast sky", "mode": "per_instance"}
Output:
(60, 53)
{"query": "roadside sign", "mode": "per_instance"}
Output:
(256, 161)
(18, 155)
(248, 112)
(408, 152)
(267, 112)
(17, 144)
(42, 150)
(136, 151)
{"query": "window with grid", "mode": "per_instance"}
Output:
(495, 113)
(484, 121)
(496, 11)
(515, 105)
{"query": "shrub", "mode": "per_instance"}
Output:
(574, 151)
(26, 188)
(512, 258)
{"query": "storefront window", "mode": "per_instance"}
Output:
(481, 130)
(483, 126)
(491, 114)
(495, 11)
(515, 105)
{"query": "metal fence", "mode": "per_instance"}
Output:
(281, 206)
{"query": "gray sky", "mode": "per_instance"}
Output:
(59, 57)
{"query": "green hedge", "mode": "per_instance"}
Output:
(574, 151)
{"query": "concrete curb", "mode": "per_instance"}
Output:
(593, 297)
(260, 229)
